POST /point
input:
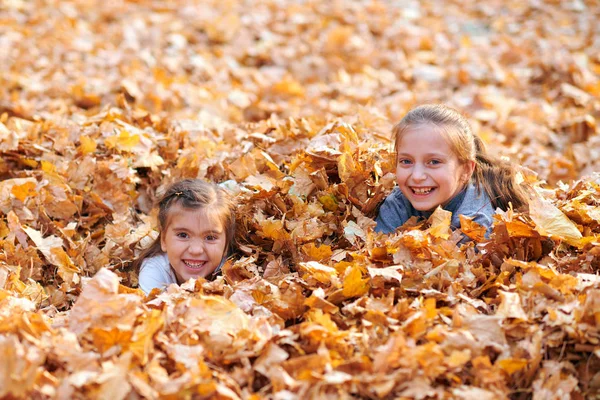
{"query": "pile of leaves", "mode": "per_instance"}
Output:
(289, 105)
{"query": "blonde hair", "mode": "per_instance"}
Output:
(193, 194)
(495, 176)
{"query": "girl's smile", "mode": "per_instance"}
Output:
(428, 173)
(420, 191)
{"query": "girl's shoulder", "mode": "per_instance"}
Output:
(156, 272)
(477, 201)
(159, 261)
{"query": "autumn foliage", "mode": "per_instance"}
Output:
(290, 104)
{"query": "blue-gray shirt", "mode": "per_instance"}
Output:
(396, 209)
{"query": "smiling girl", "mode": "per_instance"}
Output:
(196, 227)
(440, 162)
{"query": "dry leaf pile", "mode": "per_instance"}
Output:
(290, 105)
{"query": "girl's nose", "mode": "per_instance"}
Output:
(196, 247)
(418, 173)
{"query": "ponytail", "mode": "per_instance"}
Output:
(497, 178)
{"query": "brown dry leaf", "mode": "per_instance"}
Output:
(19, 367)
(100, 304)
(291, 106)
(510, 306)
(52, 248)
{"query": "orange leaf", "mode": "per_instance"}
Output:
(317, 253)
(472, 229)
(27, 189)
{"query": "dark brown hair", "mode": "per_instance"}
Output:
(193, 194)
(495, 176)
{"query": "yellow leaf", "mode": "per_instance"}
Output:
(512, 365)
(3, 230)
(86, 145)
(124, 142)
(430, 308)
(141, 343)
(329, 202)
(317, 316)
(288, 87)
(459, 358)
(341, 266)
(338, 36)
(273, 229)
(440, 223)
(48, 166)
(549, 220)
(319, 272)
(29, 162)
(317, 253)
(354, 284)
(519, 229)
(346, 166)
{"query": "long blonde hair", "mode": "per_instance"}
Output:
(495, 176)
(193, 194)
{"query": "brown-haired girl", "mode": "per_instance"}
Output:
(196, 225)
(440, 162)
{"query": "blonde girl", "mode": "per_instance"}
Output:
(440, 162)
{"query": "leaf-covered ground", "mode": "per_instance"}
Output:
(291, 103)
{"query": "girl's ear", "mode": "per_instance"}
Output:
(469, 169)
(163, 245)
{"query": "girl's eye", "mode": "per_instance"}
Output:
(435, 162)
(182, 235)
(212, 237)
(404, 161)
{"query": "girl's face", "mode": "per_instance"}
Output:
(428, 173)
(194, 241)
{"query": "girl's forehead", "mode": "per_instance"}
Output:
(424, 133)
(205, 215)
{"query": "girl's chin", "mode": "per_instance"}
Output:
(188, 274)
(424, 205)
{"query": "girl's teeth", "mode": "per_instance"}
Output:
(193, 265)
(422, 191)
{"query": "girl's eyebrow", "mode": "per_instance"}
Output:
(443, 155)
(179, 228)
(184, 229)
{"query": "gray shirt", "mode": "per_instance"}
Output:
(156, 272)
(396, 209)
